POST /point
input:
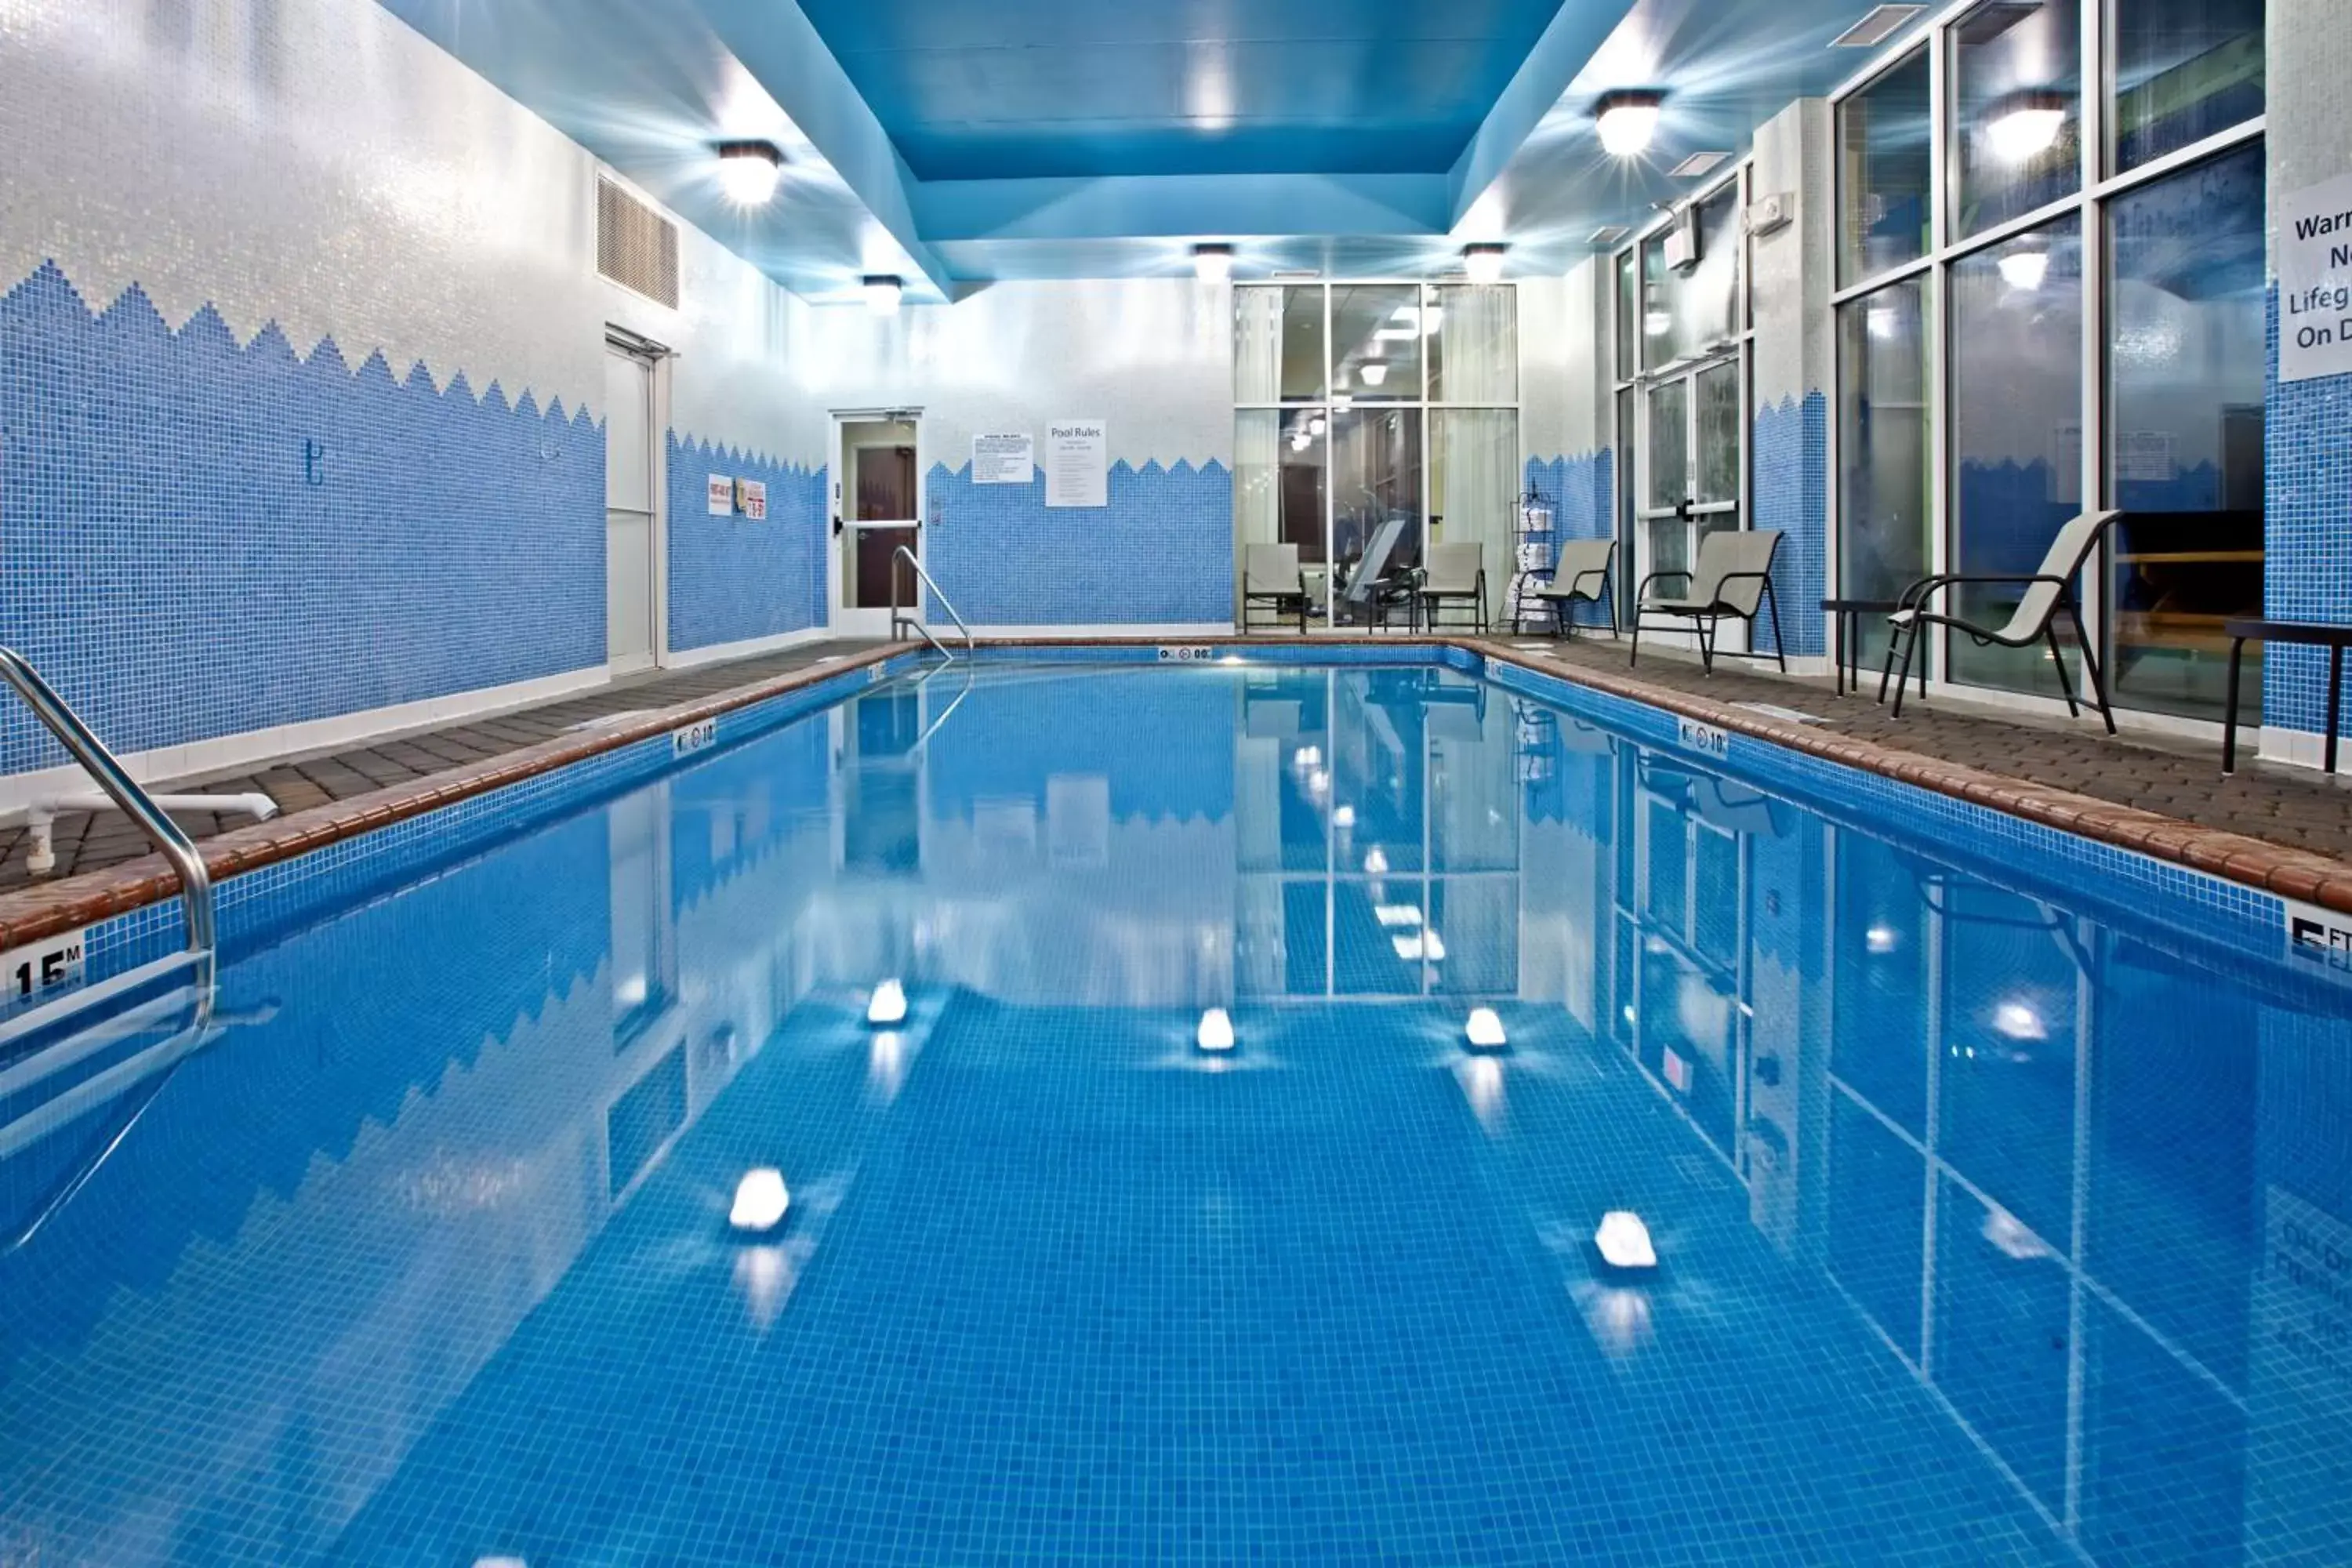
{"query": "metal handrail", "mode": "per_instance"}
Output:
(195, 883)
(897, 620)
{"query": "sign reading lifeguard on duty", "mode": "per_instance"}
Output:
(2314, 280)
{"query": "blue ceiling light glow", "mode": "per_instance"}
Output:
(1484, 263)
(748, 172)
(1212, 263)
(1627, 121)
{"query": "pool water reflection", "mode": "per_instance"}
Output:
(1985, 1230)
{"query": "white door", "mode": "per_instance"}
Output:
(877, 507)
(1692, 461)
(629, 510)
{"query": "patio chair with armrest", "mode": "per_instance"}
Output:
(2048, 593)
(1732, 576)
(1581, 574)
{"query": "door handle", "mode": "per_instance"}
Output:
(836, 525)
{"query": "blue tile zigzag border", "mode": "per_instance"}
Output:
(1582, 493)
(1161, 552)
(200, 537)
(733, 579)
(1790, 490)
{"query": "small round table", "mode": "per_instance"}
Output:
(1848, 633)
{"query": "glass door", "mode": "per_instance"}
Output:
(1692, 461)
(877, 509)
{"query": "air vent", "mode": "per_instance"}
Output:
(1876, 27)
(1609, 233)
(1697, 164)
(1294, 274)
(635, 246)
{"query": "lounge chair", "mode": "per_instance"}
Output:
(1733, 577)
(1271, 574)
(1580, 576)
(1453, 574)
(2048, 593)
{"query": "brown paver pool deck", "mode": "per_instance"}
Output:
(2287, 830)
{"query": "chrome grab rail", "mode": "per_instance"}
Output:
(898, 620)
(195, 883)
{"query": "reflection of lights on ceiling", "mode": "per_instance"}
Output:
(1631, 1016)
(1376, 862)
(1394, 915)
(2025, 125)
(748, 172)
(1395, 335)
(500, 1563)
(1306, 757)
(1482, 1084)
(1341, 401)
(1625, 1241)
(1881, 939)
(1373, 375)
(1657, 324)
(760, 1200)
(1413, 946)
(1315, 427)
(1882, 320)
(2024, 269)
(1484, 263)
(887, 1005)
(1484, 1030)
(882, 293)
(1212, 263)
(1407, 314)
(1627, 121)
(631, 993)
(2019, 1022)
(1216, 1031)
(1343, 816)
(1318, 782)
(886, 1062)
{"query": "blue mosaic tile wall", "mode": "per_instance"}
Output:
(200, 537)
(1583, 500)
(731, 578)
(1791, 488)
(1161, 554)
(2307, 525)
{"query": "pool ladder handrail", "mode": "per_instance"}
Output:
(51, 709)
(899, 620)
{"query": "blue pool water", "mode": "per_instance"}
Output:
(1995, 1223)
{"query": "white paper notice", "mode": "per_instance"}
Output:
(1077, 463)
(1007, 459)
(751, 498)
(2314, 280)
(722, 496)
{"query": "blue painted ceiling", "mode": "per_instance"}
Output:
(956, 143)
(1043, 88)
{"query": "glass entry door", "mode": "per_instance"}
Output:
(1691, 461)
(877, 509)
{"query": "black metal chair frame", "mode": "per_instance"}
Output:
(1283, 601)
(1915, 601)
(1565, 602)
(1712, 614)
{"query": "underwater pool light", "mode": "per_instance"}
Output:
(1216, 1031)
(888, 1005)
(1343, 816)
(1484, 1030)
(760, 1200)
(1625, 1241)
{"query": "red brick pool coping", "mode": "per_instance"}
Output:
(30, 914)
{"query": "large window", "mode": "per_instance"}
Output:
(1372, 420)
(2035, 316)
(2185, 360)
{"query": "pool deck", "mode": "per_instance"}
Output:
(2287, 830)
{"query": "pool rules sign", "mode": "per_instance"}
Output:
(2314, 280)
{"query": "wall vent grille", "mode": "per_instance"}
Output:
(635, 246)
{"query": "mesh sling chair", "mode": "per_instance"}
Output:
(1271, 574)
(1581, 576)
(2049, 593)
(1453, 574)
(1733, 577)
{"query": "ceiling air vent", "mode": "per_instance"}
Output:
(635, 246)
(1876, 27)
(1697, 164)
(1609, 233)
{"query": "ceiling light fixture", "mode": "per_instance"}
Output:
(1483, 262)
(2024, 125)
(882, 292)
(749, 171)
(1373, 374)
(1212, 263)
(1626, 120)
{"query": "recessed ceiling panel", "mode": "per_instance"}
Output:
(1026, 89)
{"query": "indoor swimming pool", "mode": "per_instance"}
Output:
(1998, 1189)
